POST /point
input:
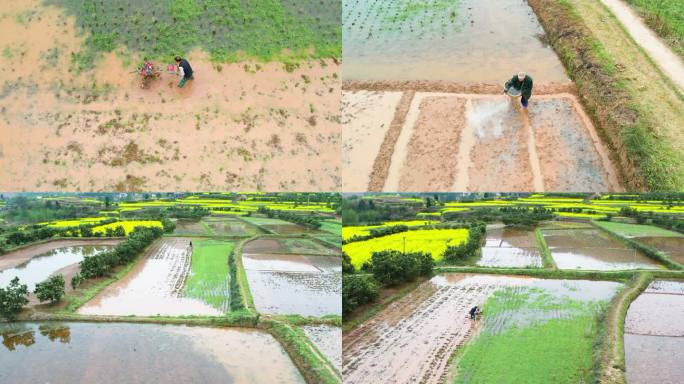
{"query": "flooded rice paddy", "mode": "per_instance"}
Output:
(309, 285)
(153, 287)
(673, 247)
(140, 353)
(466, 41)
(214, 227)
(654, 334)
(413, 339)
(300, 246)
(42, 266)
(593, 249)
(507, 247)
(328, 340)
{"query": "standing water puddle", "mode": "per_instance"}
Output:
(153, 287)
(43, 266)
(295, 284)
(140, 353)
(654, 334)
(465, 41)
(593, 250)
(507, 247)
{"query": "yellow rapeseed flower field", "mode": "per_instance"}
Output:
(128, 225)
(434, 241)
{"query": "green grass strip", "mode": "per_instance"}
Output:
(557, 349)
(311, 362)
(649, 251)
(610, 354)
(208, 279)
(247, 298)
(544, 250)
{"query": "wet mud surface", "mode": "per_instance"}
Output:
(507, 247)
(328, 340)
(412, 339)
(654, 334)
(366, 118)
(44, 265)
(673, 247)
(153, 287)
(468, 41)
(294, 284)
(592, 249)
(480, 140)
(253, 125)
(300, 246)
(140, 353)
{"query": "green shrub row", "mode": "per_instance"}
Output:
(310, 221)
(236, 302)
(101, 264)
(468, 249)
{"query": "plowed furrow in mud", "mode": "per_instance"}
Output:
(417, 347)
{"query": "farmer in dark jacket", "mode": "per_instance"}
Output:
(184, 70)
(522, 83)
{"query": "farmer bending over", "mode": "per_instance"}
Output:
(184, 70)
(522, 84)
(474, 312)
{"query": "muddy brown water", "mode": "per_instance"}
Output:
(328, 340)
(509, 247)
(488, 41)
(190, 227)
(413, 339)
(140, 353)
(593, 249)
(654, 334)
(286, 229)
(153, 287)
(295, 284)
(294, 245)
(673, 247)
(42, 266)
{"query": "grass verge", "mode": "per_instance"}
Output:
(544, 250)
(645, 159)
(247, 298)
(309, 360)
(609, 363)
(666, 18)
(646, 249)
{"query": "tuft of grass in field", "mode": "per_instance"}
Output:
(666, 18)
(229, 30)
(549, 340)
(208, 279)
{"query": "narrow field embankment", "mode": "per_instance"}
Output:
(635, 108)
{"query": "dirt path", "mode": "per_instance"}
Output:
(412, 339)
(664, 106)
(20, 256)
(668, 62)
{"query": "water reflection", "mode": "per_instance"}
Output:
(23, 335)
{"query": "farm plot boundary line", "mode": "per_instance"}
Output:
(651, 252)
(382, 163)
(450, 87)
